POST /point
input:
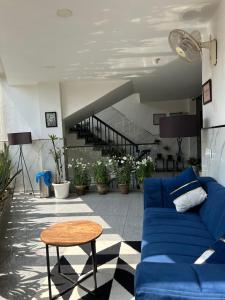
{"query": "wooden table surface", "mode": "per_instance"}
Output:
(71, 233)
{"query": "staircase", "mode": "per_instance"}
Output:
(100, 136)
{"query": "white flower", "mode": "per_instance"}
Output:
(124, 158)
(122, 161)
(69, 166)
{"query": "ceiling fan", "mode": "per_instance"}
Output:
(189, 46)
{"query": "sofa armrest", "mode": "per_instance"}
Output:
(179, 281)
(153, 192)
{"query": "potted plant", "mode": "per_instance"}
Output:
(101, 176)
(61, 187)
(80, 176)
(123, 167)
(5, 175)
(144, 169)
(195, 163)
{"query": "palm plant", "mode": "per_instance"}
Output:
(56, 153)
(5, 170)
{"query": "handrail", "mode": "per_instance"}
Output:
(104, 145)
(117, 132)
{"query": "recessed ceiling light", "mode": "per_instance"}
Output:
(64, 12)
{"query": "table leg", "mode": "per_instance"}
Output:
(49, 272)
(93, 249)
(58, 259)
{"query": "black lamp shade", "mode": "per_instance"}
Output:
(19, 138)
(179, 126)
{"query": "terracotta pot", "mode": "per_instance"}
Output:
(81, 189)
(124, 188)
(102, 189)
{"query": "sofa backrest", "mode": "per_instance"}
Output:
(212, 211)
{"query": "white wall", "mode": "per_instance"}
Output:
(50, 100)
(20, 108)
(213, 113)
(213, 140)
(142, 113)
(77, 94)
(23, 108)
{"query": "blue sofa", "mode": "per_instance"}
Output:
(172, 242)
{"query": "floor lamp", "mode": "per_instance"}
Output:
(179, 127)
(19, 139)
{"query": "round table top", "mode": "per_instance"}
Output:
(71, 233)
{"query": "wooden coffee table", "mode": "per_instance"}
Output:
(68, 234)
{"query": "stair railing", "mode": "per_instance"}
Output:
(107, 135)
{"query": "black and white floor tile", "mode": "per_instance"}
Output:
(115, 278)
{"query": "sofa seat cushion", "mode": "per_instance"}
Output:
(172, 237)
(179, 281)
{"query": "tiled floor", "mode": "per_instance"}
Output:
(22, 255)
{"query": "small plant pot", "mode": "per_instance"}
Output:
(102, 189)
(61, 190)
(124, 188)
(141, 185)
(81, 189)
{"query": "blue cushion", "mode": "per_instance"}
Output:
(212, 211)
(153, 192)
(169, 236)
(187, 179)
(179, 282)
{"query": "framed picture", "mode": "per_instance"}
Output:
(51, 119)
(207, 92)
(156, 118)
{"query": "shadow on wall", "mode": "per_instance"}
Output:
(175, 80)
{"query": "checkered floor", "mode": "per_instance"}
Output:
(116, 266)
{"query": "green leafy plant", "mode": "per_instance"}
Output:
(57, 154)
(101, 173)
(123, 166)
(193, 161)
(80, 172)
(144, 169)
(5, 170)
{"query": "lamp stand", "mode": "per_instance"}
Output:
(22, 163)
(179, 153)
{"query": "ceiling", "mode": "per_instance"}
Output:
(114, 39)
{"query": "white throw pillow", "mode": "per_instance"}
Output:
(190, 199)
